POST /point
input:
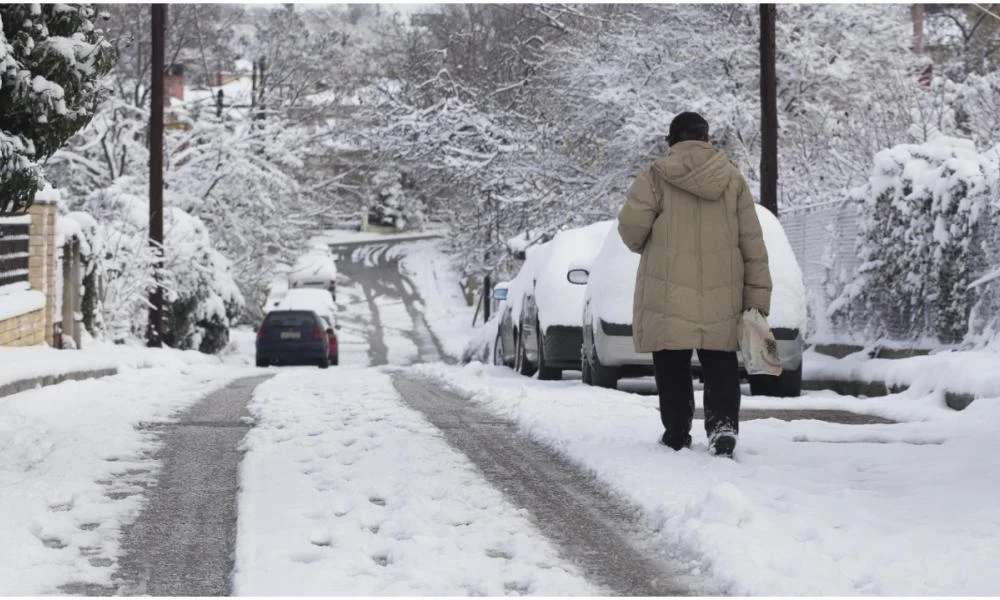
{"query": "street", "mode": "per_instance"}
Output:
(400, 472)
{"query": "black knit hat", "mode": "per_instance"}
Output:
(687, 126)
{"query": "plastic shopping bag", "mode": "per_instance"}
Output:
(757, 345)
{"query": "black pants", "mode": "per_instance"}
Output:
(722, 391)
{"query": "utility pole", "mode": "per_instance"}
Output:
(918, 28)
(154, 331)
(768, 111)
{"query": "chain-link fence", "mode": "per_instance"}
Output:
(824, 238)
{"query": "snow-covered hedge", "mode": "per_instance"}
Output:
(200, 295)
(925, 210)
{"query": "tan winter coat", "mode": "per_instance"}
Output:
(691, 216)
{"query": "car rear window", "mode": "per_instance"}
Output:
(290, 319)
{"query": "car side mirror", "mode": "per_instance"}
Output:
(329, 332)
(578, 276)
(499, 293)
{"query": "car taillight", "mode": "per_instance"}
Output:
(261, 334)
(333, 344)
(319, 333)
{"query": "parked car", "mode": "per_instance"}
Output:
(302, 300)
(316, 269)
(481, 346)
(608, 351)
(539, 325)
(296, 337)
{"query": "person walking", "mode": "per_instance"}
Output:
(691, 216)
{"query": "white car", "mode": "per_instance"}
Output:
(539, 324)
(608, 351)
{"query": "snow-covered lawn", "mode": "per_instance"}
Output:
(807, 507)
(61, 450)
(347, 491)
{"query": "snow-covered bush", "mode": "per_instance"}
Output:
(200, 295)
(51, 62)
(919, 241)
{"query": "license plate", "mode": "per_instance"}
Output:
(291, 335)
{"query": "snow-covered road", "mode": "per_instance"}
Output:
(353, 485)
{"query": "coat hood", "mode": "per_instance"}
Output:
(697, 168)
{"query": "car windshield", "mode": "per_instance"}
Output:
(290, 319)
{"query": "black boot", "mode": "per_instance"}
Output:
(675, 443)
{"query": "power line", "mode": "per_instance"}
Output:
(987, 11)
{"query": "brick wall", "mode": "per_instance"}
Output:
(25, 330)
(37, 327)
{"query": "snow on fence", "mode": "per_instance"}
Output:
(824, 238)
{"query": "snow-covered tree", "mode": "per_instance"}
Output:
(52, 59)
(922, 213)
(201, 296)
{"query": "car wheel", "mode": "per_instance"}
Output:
(600, 376)
(521, 363)
(585, 368)
(498, 351)
(325, 363)
(261, 363)
(786, 385)
(545, 372)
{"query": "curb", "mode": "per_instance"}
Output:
(954, 400)
(23, 385)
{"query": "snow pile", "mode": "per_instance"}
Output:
(963, 372)
(73, 466)
(613, 273)
(17, 364)
(346, 491)
(924, 211)
(806, 508)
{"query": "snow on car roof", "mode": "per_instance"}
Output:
(315, 265)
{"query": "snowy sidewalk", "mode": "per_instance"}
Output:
(73, 467)
(38, 366)
(347, 491)
(807, 507)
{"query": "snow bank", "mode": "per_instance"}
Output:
(964, 372)
(346, 491)
(73, 465)
(17, 364)
(806, 508)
